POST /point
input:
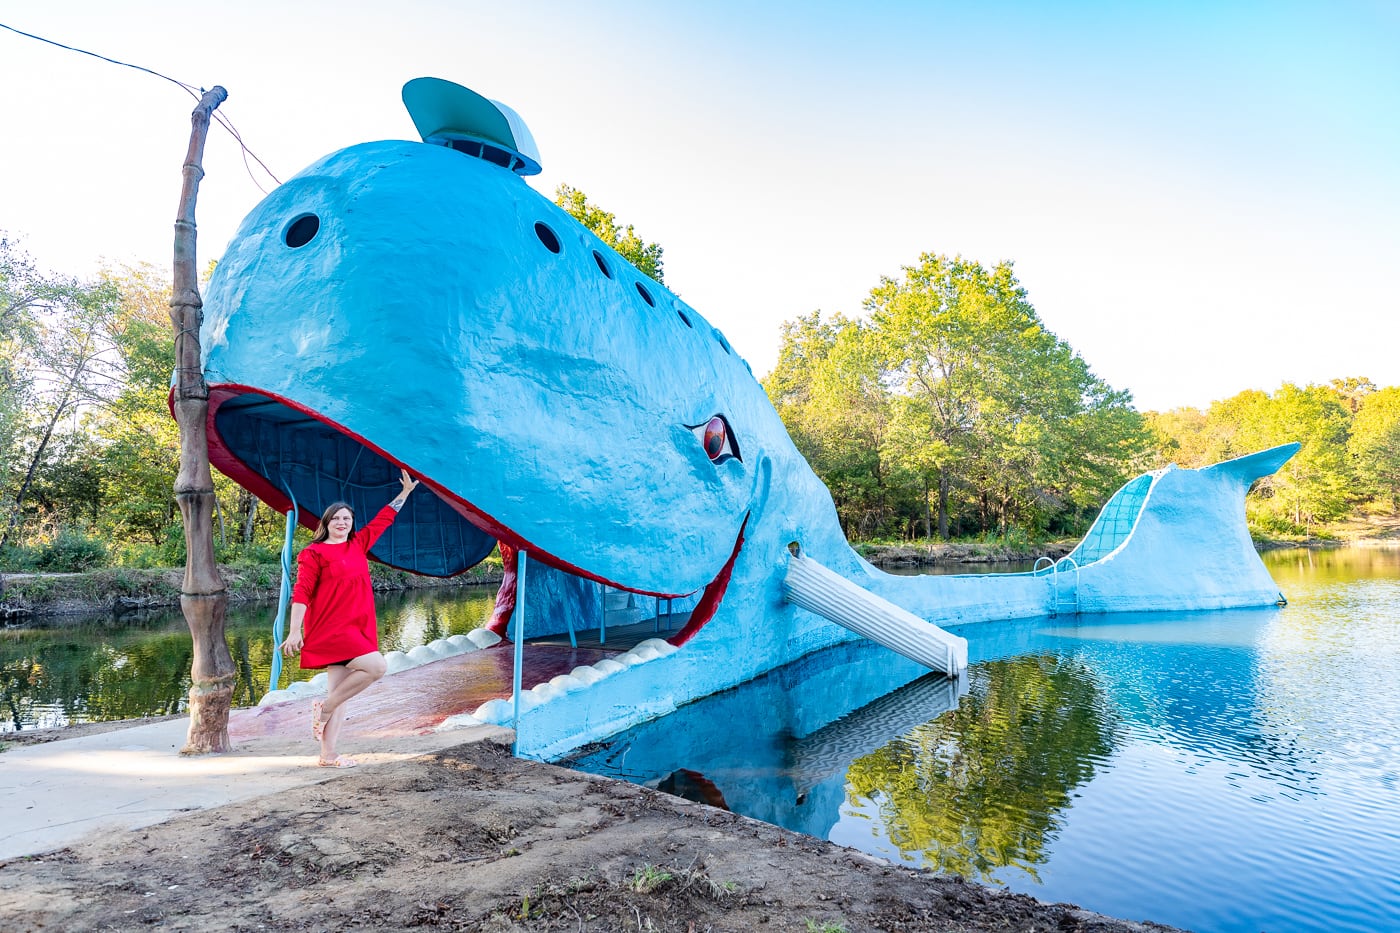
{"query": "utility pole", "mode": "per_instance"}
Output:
(203, 597)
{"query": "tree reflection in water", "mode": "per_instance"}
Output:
(105, 669)
(982, 787)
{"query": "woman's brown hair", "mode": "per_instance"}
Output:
(323, 530)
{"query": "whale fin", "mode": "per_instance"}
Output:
(1245, 470)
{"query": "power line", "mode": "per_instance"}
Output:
(221, 118)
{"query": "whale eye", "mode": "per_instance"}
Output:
(717, 439)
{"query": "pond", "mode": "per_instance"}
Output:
(1222, 771)
(100, 668)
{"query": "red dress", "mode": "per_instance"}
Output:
(333, 585)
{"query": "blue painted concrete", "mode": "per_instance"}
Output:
(447, 318)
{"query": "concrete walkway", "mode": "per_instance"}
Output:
(59, 793)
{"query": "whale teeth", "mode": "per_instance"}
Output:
(395, 661)
(483, 638)
(502, 712)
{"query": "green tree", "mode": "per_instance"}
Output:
(23, 292)
(987, 399)
(645, 256)
(140, 442)
(1375, 444)
(827, 389)
(1180, 437)
(64, 327)
(1319, 484)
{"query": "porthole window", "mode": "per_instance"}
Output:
(722, 342)
(683, 317)
(602, 263)
(302, 230)
(646, 295)
(547, 237)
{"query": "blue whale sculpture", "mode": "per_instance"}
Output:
(417, 304)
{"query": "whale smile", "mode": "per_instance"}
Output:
(265, 443)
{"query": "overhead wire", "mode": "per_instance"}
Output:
(190, 89)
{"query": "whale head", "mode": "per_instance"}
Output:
(400, 304)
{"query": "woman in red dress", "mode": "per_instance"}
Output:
(333, 604)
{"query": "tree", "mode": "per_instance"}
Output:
(1375, 444)
(22, 292)
(63, 329)
(1353, 390)
(987, 398)
(1180, 437)
(140, 441)
(645, 256)
(1317, 484)
(827, 389)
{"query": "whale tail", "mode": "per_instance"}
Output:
(1245, 470)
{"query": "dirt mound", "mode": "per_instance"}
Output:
(474, 839)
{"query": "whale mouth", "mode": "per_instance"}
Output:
(283, 452)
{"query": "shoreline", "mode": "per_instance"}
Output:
(29, 597)
(48, 597)
(469, 837)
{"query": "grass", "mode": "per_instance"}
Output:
(649, 878)
(825, 926)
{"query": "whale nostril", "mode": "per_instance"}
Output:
(302, 230)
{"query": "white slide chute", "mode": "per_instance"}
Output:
(831, 596)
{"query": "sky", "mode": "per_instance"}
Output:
(1199, 197)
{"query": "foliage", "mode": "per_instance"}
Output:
(981, 787)
(952, 399)
(140, 440)
(649, 878)
(56, 361)
(1347, 430)
(70, 551)
(825, 926)
(645, 256)
(827, 389)
(96, 450)
(1374, 445)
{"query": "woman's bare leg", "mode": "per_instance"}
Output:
(335, 676)
(345, 682)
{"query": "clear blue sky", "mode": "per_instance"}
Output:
(1199, 197)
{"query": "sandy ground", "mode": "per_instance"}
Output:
(468, 837)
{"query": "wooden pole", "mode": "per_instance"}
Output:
(203, 597)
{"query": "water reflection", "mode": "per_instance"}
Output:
(100, 669)
(811, 718)
(1202, 770)
(982, 787)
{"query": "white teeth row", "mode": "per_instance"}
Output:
(501, 712)
(474, 640)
